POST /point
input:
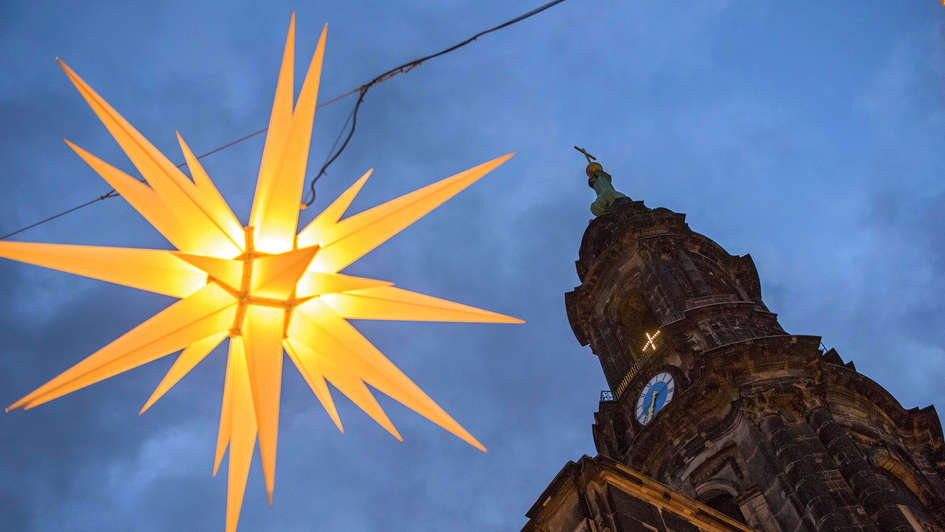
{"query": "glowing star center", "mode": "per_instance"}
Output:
(261, 279)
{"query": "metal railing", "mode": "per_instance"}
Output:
(608, 395)
(633, 371)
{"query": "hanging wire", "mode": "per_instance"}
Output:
(335, 144)
(109, 194)
(403, 69)
(352, 119)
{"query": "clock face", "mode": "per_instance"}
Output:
(655, 395)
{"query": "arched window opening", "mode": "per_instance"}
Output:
(639, 327)
(900, 475)
(906, 494)
(725, 503)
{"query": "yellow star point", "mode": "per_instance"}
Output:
(265, 287)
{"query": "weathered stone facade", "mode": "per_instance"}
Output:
(601, 494)
(764, 426)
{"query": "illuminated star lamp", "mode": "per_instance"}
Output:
(263, 286)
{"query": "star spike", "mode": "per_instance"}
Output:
(142, 199)
(280, 122)
(346, 381)
(205, 312)
(315, 324)
(226, 409)
(315, 283)
(171, 185)
(188, 359)
(355, 236)
(242, 433)
(139, 346)
(153, 270)
(262, 338)
(279, 216)
(316, 381)
(389, 303)
(212, 201)
(331, 214)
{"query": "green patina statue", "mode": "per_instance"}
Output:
(600, 181)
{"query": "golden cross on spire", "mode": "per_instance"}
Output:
(591, 157)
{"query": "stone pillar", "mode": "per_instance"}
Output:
(875, 492)
(804, 471)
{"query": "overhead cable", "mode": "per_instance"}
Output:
(352, 119)
(402, 69)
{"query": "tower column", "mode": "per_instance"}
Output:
(801, 459)
(875, 492)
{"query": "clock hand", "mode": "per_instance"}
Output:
(649, 413)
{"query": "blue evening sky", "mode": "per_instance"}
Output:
(807, 133)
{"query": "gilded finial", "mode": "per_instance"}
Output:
(592, 167)
(600, 181)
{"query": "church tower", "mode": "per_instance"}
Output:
(713, 402)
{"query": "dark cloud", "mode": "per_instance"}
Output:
(820, 155)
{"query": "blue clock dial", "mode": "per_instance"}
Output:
(657, 393)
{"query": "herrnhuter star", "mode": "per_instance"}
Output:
(264, 286)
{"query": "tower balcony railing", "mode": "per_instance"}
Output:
(614, 395)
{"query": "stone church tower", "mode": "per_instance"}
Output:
(714, 409)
